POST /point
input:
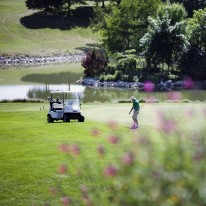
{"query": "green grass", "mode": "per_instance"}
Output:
(16, 38)
(57, 73)
(29, 155)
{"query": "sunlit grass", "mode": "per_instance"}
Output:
(17, 39)
(29, 146)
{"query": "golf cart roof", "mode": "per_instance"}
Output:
(63, 92)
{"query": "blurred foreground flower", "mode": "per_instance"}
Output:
(148, 86)
(163, 165)
(64, 148)
(112, 125)
(174, 96)
(165, 123)
(128, 158)
(113, 139)
(101, 150)
(65, 201)
(111, 171)
(62, 169)
(75, 149)
(95, 132)
(188, 83)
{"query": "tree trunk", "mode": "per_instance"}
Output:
(103, 5)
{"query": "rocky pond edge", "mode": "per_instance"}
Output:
(18, 60)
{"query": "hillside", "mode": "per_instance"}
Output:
(24, 31)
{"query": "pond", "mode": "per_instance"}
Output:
(38, 82)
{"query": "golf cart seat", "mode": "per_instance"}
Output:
(57, 106)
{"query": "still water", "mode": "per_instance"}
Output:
(38, 82)
(89, 94)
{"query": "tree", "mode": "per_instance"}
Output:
(94, 63)
(69, 3)
(49, 4)
(193, 63)
(165, 41)
(176, 11)
(43, 4)
(190, 5)
(127, 24)
(196, 29)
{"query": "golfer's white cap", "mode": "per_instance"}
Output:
(133, 98)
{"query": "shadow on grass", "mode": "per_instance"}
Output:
(79, 17)
(89, 47)
(55, 78)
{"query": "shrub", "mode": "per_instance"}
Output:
(162, 166)
(94, 63)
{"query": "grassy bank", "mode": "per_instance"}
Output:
(18, 34)
(57, 73)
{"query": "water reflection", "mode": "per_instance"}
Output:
(90, 94)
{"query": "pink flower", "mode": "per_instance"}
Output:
(169, 126)
(101, 150)
(113, 139)
(64, 148)
(112, 124)
(95, 132)
(84, 189)
(175, 96)
(188, 83)
(75, 149)
(62, 169)
(189, 112)
(128, 158)
(65, 201)
(151, 99)
(149, 86)
(111, 171)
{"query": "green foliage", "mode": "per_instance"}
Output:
(165, 42)
(176, 12)
(127, 23)
(193, 63)
(43, 4)
(190, 5)
(49, 4)
(196, 28)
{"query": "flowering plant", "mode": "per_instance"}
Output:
(164, 165)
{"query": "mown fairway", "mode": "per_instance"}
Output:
(29, 155)
(16, 37)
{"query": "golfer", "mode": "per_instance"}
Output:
(135, 108)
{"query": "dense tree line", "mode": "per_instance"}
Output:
(171, 33)
(165, 33)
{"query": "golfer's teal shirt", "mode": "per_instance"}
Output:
(135, 104)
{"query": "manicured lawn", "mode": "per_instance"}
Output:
(17, 38)
(29, 155)
(54, 74)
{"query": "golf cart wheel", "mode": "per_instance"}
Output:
(81, 119)
(49, 119)
(66, 118)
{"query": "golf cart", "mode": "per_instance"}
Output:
(65, 108)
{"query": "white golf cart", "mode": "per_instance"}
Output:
(66, 108)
